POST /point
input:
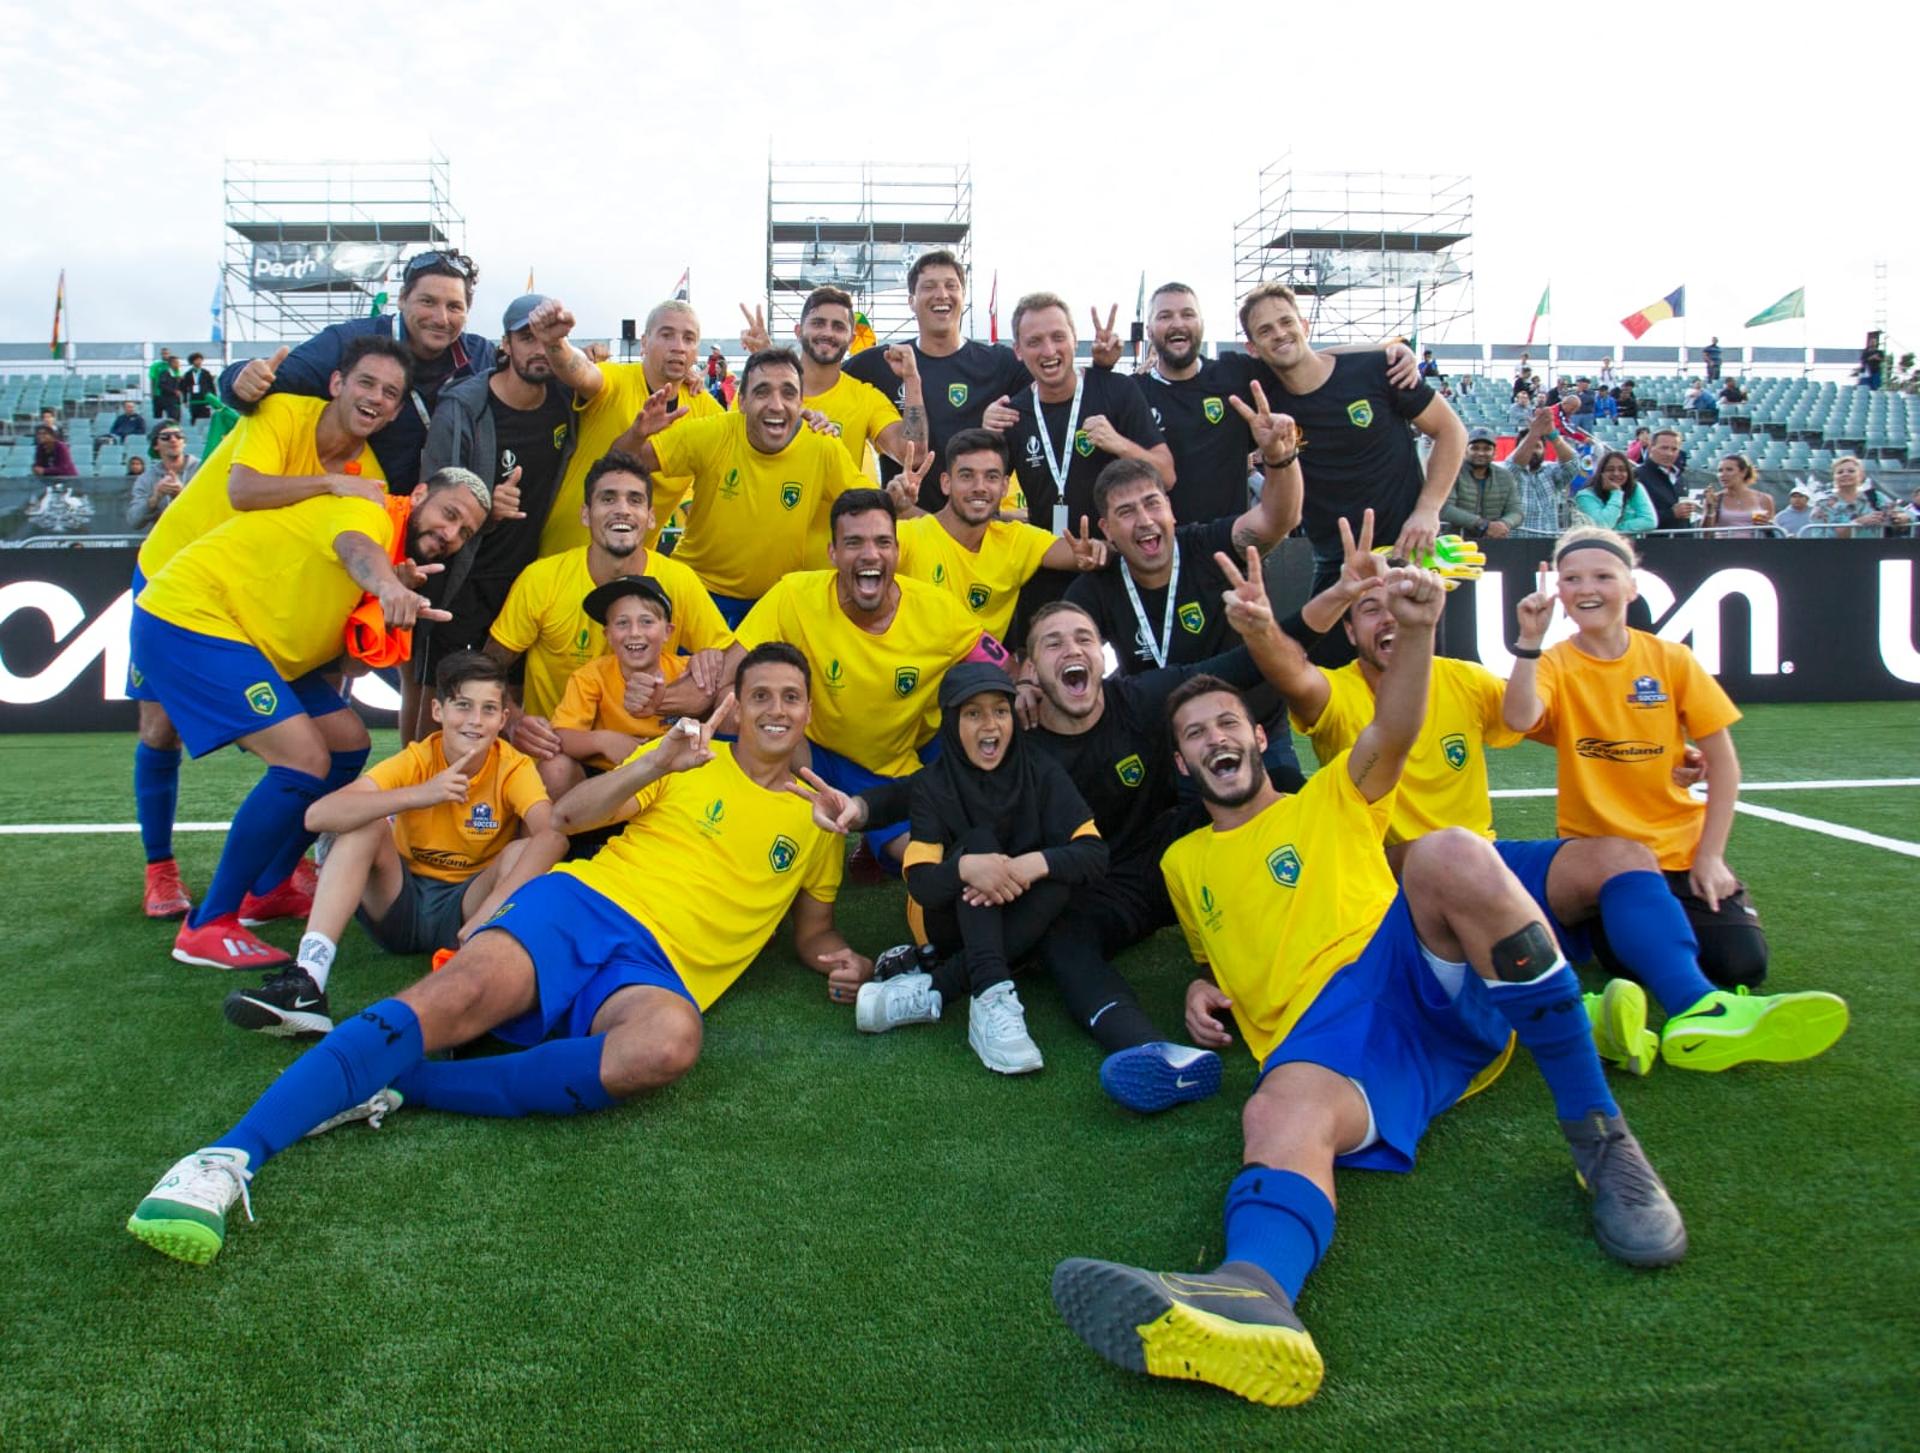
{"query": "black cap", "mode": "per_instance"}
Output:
(601, 598)
(969, 679)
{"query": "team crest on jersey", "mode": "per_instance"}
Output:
(1131, 769)
(1209, 910)
(712, 815)
(262, 698)
(957, 395)
(836, 674)
(730, 483)
(978, 596)
(784, 853)
(1213, 409)
(1192, 618)
(1361, 412)
(559, 437)
(789, 495)
(905, 679)
(1454, 747)
(481, 819)
(1646, 692)
(1082, 445)
(1284, 864)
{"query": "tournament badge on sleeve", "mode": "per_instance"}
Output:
(1452, 558)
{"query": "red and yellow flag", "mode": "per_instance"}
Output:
(1673, 305)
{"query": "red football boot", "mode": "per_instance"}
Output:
(289, 900)
(166, 894)
(223, 943)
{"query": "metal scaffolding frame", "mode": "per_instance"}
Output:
(1371, 255)
(859, 226)
(377, 213)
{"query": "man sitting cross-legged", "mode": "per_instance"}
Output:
(435, 873)
(1371, 1009)
(602, 967)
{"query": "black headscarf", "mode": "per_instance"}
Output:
(1028, 801)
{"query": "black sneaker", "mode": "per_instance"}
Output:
(1234, 1327)
(1634, 1219)
(288, 1003)
(905, 958)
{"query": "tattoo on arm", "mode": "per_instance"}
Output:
(913, 423)
(365, 561)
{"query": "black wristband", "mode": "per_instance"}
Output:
(1525, 653)
(1279, 463)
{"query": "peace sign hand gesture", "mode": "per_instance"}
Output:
(905, 486)
(1088, 553)
(1274, 434)
(1106, 342)
(689, 744)
(754, 336)
(833, 810)
(1249, 611)
(1360, 567)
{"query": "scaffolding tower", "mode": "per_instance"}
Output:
(859, 226)
(314, 243)
(1371, 255)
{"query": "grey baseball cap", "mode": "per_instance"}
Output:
(1481, 434)
(521, 309)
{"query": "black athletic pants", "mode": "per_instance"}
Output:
(1101, 919)
(1733, 945)
(979, 946)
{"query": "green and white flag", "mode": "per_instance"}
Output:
(1793, 305)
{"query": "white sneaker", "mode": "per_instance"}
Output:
(997, 1030)
(375, 1108)
(185, 1215)
(885, 1004)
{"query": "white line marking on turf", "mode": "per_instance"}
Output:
(1825, 784)
(38, 829)
(1830, 829)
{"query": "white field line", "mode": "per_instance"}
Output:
(1829, 829)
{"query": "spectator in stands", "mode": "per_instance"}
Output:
(1583, 405)
(1429, 370)
(1485, 502)
(1856, 508)
(716, 366)
(1616, 498)
(1797, 515)
(50, 457)
(1712, 355)
(159, 486)
(136, 465)
(1733, 393)
(50, 419)
(169, 391)
(1873, 362)
(1628, 401)
(1523, 379)
(1606, 372)
(1521, 413)
(130, 421)
(200, 386)
(1661, 475)
(1546, 485)
(1701, 404)
(159, 366)
(1738, 500)
(1637, 450)
(1605, 405)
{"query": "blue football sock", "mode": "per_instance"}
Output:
(363, 1054)
(156, 797)
(274, 812)
(1547, 1015)
(345, 767)
(1280, 1221)
(560, 1077)
(1649, 933)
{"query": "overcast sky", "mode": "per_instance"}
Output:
(1729, 150)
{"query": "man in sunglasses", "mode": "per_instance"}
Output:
(154, 490)
(435, 293)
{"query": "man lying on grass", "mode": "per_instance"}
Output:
(602, 968)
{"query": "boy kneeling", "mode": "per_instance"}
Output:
(610, 706)
(425, 848)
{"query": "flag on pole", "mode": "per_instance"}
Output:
(993, 309)
(1140, 317)
(683, 290)
(862, 334)
(1673, 305)
(529, 279)
(379, 303)
(59, 309)
(1545, 307)
(218, 307)
(1793, 305)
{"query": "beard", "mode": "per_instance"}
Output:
(1203, 783)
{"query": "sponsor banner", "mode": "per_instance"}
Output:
(291, 267)
(64, 616)
(1773, 619)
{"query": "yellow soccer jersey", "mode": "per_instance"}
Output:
(1444, 783)
(859, 411)
(544, 618)
(986, 580)
(873, 695)
(1281, 904)
(271, 578)
(597, 423)
(751, 518)
(739, 855)
(277, 439)
(452, 841)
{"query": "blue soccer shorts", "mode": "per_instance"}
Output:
(217, 691)
(1530, 860)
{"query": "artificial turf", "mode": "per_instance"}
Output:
(821, 1238)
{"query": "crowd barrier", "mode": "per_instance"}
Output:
(1775, 620)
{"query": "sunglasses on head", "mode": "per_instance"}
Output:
(447, 262)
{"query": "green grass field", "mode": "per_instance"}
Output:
(827, 1239)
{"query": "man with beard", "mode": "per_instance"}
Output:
(515, 430)
(545, 617)
(436, 290)
(1188, 396)
(608, 398)
(234, 637)
(759, 479)
(859, 413)
(1372, 1008)
(959, 376)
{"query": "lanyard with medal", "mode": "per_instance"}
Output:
(1056, 467)
(1158, 650)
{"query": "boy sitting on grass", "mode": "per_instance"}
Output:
(611, 703)
(425, 848)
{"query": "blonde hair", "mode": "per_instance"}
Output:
(1266, 292)
(1036, 302)
(1594, 535)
